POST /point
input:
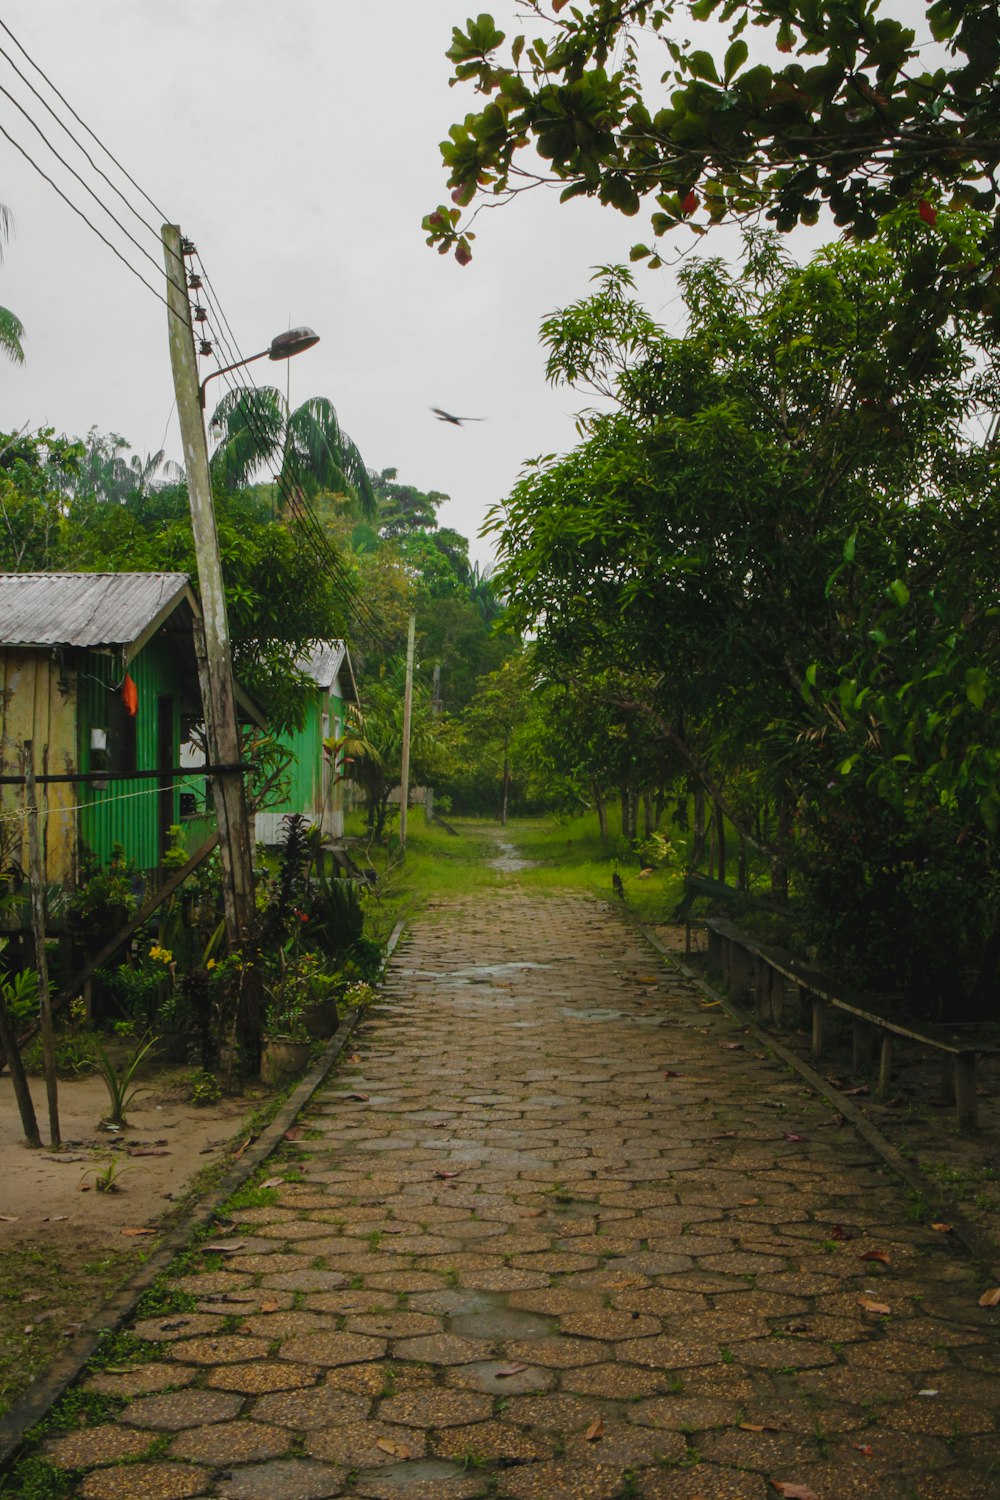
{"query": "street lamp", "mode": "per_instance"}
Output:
(282, 346)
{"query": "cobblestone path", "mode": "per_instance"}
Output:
(562, 1233)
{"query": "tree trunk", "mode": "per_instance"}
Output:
(602, 813)
(648, 822)
(742, 874)
(720, 839)
(624, 802)
(699, 824)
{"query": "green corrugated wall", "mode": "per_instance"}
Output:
(126, 812)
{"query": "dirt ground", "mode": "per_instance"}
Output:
(64, 1244)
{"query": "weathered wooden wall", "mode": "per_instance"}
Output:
(38, 697)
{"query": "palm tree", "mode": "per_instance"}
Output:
(11, 327)
(307, 447)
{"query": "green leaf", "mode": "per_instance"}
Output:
(899, 592)
(736, 56)
(975, 686)
(850, 545)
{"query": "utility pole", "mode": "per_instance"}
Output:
(435, 714)
(214, 658)
(407, 718)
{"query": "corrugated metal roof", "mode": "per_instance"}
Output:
(83, 609)
(323, 661)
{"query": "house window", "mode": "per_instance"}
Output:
(121, 736)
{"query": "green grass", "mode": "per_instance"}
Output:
(567, 853)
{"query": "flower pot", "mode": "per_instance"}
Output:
(281, 1059)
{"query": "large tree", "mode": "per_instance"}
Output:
(768, 543)
(618, 105)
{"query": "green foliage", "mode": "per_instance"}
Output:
(858, 118)
(105, 896)
(118, 1081)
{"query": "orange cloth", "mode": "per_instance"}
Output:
(130, 696)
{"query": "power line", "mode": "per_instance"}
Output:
(78, 144)
(110, 155)
(86, 186)
(90, 225)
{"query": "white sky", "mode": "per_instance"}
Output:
(297, 145)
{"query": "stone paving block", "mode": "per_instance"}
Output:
(706, 1482)
(107, 1444)
(230, 1443)
(262, 1375)
(282, 1479)
(366, 1445)
(175, 1326)
(499, 1378)
(159, 1481)
(492, 1440)
(427, 1479)
(141, 1381)
(228, 1348)
(178, 1409)
(563, 1481)
(436, 1408)
(307, 1410)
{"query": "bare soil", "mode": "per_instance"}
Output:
(65, 1245)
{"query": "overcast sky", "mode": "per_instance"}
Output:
(297, 145)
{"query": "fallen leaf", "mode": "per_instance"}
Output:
(357, 1098)
(595, 1431)
(731, 1046)
(881, 1308)
(396, 1449)
(648, 978)
(354, 1058)
(10, 1218)
(790, 1135)
(990, 1298)
(794, 1491)
(138, 1231)
(879, 1255)
(270, 1306)
(66, 1156)
(862, 1088)
(33, 1297)
(251, 1138)
(447, 1174)
(943, 1228)
(838, 1119)
(509, 1370)
(56, 1219)
(272, 1182)
(146, 1151)
(28, 1328)
(224, 1249)
(838, 1232)
(928, 1392)
(752, 1427)
(294, 1132)
(865, 1448)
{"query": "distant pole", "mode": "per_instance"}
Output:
(407, 718)
(435, 713)
(37, 876)
(215, 660)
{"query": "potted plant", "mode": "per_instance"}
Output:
(287, 1039)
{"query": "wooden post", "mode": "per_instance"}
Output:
(214, 658)
(817, 1028)
(18, 1078)
(404, 793)
(37, 875)
(884, 1065)
(966, 1103)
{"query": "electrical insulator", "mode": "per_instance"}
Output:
(194, 281)
(200, 315)
(205, 348)
(188, 247)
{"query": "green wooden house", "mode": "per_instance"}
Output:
(316, 788)
(100, 672)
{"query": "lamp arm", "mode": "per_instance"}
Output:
(224, 370)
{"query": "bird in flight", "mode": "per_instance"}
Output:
(446, 416)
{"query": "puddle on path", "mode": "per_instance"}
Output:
(508, 861)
